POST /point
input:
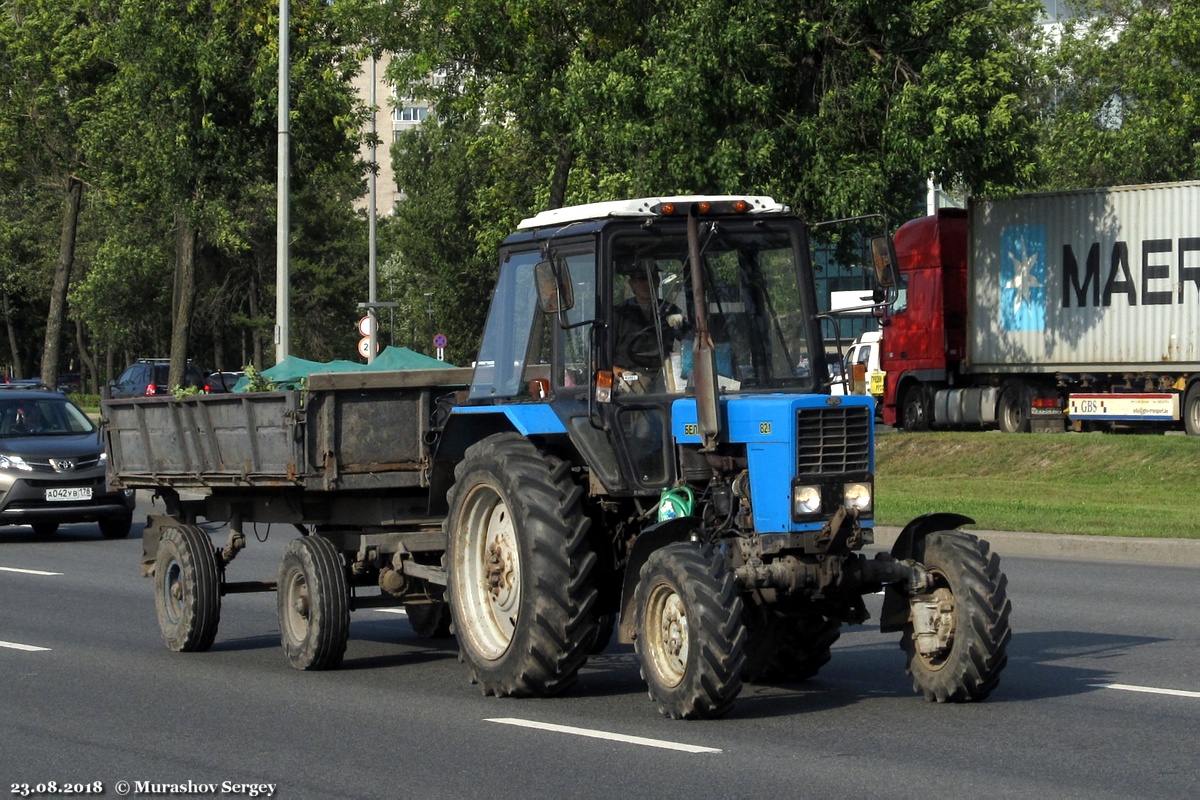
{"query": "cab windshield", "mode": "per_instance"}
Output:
(752, 289)
(42, 416)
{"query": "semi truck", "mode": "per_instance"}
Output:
(685, 485)
(1046, 312)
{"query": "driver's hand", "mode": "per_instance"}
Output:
(675, 321)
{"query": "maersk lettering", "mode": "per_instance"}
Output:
(1156, 273)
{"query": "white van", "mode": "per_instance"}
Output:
(868, 377)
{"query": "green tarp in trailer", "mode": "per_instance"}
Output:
(289, 372)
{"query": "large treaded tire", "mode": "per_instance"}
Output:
(969, 585)
(313, 603)
(690, 634)
(187, 589)
(519, 569)
(787, 649)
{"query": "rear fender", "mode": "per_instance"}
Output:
(895, 613)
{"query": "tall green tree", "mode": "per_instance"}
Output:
(837, 107)
(1122, 103)
(53, 72)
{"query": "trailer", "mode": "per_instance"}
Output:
(1050, 311)
(677, 480)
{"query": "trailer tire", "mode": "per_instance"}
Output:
(1191, 410)
(313, 603)
(116, 528)
(429, 620)
(788, 649)
(187, 589)
(917, 408)
(519, 569)
(970, 594)
(691, 636)
(1013, 414)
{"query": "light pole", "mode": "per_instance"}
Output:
(283, 325)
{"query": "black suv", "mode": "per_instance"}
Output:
(52, 466)
(148, 377)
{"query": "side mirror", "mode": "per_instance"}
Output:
(555, 291)
(883, 253)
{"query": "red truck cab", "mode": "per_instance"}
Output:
(924, 332)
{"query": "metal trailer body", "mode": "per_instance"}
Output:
(1083, 304)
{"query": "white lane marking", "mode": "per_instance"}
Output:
(28, 571)
(615, 737)
(1124, 687)
(28, 647)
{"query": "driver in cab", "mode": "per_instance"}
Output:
(646, 329)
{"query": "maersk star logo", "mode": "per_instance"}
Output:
(1023, 278)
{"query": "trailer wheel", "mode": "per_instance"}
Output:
(917, 408)
(958, 630)
(1014, 411)
(519, 569)
(116, 528)
(313, 602)
(691, 638)
(187, 589)
(1191, 410)
(787, 649)
(429, 620)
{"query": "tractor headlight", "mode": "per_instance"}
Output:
(858, 497)
(806, 500)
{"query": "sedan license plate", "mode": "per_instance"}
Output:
(70, 493)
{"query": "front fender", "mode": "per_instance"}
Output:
(895, 612)
(659, 535)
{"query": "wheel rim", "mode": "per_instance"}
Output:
(172, 591)
(491, 601)
(948, 618)
(667, 634)
(295, 616)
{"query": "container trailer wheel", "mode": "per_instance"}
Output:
(187, 589)
(313, 602)
(1191, 410)
(958, 631)
(519, 569)
(1013, 414)
(691, 638)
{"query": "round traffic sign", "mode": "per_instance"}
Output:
(364, 347)
(439, 340)
(364, 325)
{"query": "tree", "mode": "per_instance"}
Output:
(1122, 105)
(53, 72)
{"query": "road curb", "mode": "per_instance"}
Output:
(1164, 552)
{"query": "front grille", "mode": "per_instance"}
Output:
(80, 462)
(833, 440)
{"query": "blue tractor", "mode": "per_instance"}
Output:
(649, 443)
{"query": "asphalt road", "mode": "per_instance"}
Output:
(1101, 698)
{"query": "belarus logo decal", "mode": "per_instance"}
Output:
(1023, 278)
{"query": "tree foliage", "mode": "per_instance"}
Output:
(1122, 104)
